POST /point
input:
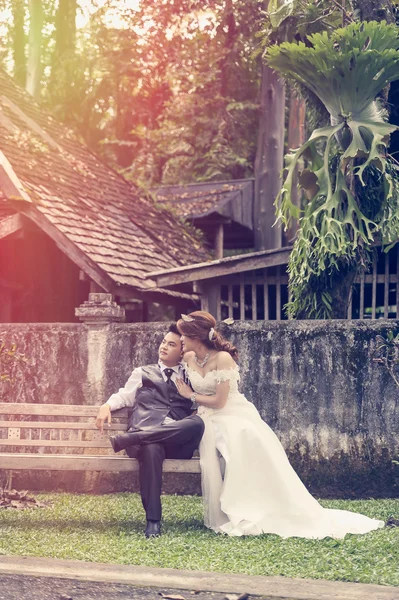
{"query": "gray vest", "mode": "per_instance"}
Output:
(156, 400)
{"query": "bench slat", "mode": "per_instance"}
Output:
(48, 462)
(60, 425)
(57, 443)
(62, 410)
(70, 462)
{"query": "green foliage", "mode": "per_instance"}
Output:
(168, 95)
(345, 69)
(350, 184)
(109, 529)
(205, 126)
(296, 20)
(287, 20)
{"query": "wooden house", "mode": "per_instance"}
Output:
(223, 210)
(254, 286)
(69, 225)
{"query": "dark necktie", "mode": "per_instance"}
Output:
(169, 373)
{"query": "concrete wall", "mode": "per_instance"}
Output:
(334, 408)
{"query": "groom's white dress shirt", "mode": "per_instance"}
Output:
(126, 396)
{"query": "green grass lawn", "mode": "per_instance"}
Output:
(110, 529)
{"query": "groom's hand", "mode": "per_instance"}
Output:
(104, 414)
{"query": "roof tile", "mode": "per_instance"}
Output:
(106, 217)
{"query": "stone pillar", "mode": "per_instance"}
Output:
(98, 313)
(100, 310)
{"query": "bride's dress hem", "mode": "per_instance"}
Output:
(260, 493)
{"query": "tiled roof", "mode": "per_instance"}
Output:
(106, 218)
(199, 200)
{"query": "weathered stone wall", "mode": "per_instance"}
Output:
(334, 408)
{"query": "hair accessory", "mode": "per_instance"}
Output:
(211, 334)
(229, 321)
(187, 319)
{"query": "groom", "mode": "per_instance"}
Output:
(162, 423)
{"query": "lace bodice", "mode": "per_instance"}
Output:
(207, 384)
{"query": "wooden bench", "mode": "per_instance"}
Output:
(65, 437)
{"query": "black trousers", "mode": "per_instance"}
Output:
(173, 440)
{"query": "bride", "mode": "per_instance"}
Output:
(248, 484)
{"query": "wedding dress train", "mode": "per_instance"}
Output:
(248, 484)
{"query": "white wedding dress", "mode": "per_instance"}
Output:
(248, 484)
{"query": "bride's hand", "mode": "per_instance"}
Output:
(183, 389)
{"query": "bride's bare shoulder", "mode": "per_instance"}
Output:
(224, 360)
(188, 357)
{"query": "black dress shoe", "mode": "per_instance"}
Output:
(123, 441)
(153, 529)
(392, 522)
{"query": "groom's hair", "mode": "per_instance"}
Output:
(173, 329)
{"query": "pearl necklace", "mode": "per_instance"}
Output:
(202, 363)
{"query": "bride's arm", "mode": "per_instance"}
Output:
(219, 399)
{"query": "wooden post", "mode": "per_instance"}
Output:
(386, 287)
(201, 290)
(374, 290)
(219, 241)
(296, 137)
(269, 159)
(95, 288)
(211, 289)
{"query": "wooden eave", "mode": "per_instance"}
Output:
(215, 211)
(156, 295)
(69, 248)
(10, 185)
(225, 266)
(11, 224)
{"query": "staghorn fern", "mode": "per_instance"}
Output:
(346, 70)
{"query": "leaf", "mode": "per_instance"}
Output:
(279, 10)
(345, 86)
(229, 321)
(20, 500)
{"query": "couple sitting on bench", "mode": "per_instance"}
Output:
(191, 397)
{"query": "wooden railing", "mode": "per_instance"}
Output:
(261, 295)
(376, 294)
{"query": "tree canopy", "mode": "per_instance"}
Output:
(167, 91)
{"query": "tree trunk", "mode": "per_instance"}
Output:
(296, 137)
(65, 32)
(269, 159)
(18, 14)
(341, 292)
(226, 63)
(374, 10)
(62, 67)
(35, 47)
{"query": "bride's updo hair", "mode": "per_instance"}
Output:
(202, 326)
